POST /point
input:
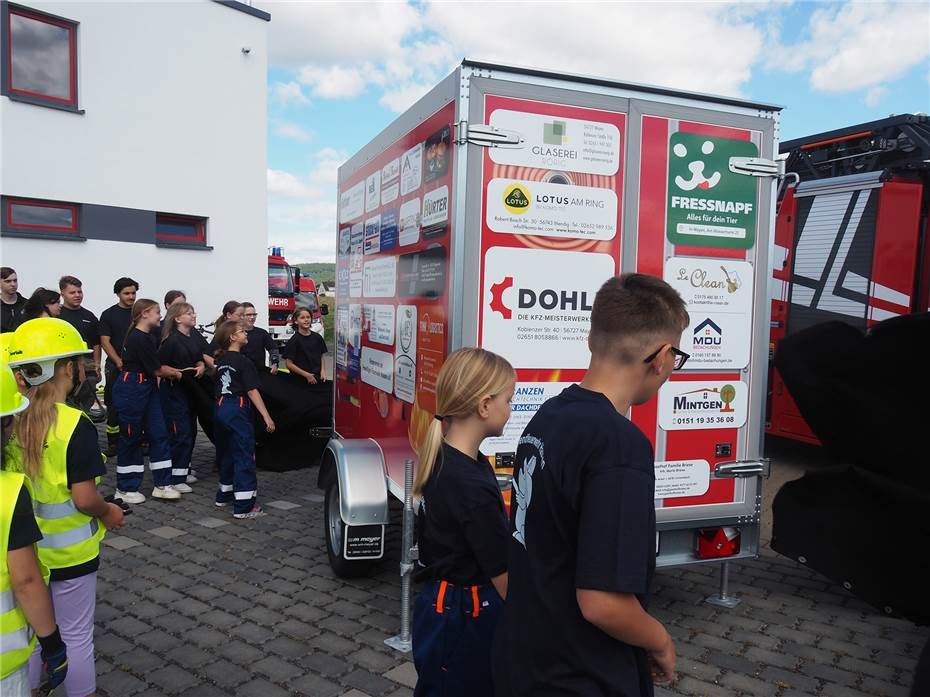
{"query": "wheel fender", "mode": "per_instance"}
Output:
(363, 492)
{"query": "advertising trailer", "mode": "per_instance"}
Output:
(489, 214)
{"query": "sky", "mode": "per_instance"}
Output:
(339, 72)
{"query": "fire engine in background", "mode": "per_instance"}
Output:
(851, 238)
(283, 282)
(489, 214)
(307, 297)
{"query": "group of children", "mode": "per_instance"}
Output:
(553, 601)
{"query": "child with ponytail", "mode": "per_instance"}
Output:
(463, 529)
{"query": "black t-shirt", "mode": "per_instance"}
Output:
(582, 516)
(114, 323)
(259, 342)
(140, 353)
(180, 351)
(306, 351)
(11, 314)
(85, 322)
(463, 526)
(83, 463)
(24, 530)
(235, 375)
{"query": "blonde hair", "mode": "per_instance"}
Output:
(33, 425)
(170, 326)
(467, 376)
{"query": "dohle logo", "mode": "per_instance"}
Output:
(530, 298)
(517, 199)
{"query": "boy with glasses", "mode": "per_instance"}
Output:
(582, 551)
(259, 341)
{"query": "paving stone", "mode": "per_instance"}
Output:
(220, 619)
(276, 669)
(260, 688)
(166, 532)
(324, 664)
(401, 692)
(749, 685)
(283, 505)
(212, 522)
(156, 640)
(139, 661)
(314, 498)
(205, 690)
(787, 678)
(297, 629)
(129, 627)
(239, 652)
(691, 686)
(252, 633)
(120, 542)
(405, 674)
(369, 683)
(118, 682)
(172, 679)
(189, 656)
(287, 647)
(227, 674)
(315, 686)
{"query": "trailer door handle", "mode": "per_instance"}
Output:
(743, 468)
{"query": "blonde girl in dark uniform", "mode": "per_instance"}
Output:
(463, 529)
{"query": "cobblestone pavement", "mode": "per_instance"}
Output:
(192, 602)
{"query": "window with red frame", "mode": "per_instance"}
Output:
(25, 215)
(180, 229)
(41, 60)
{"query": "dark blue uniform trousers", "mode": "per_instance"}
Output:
(136, 399)
(453, 629)
(234, 436)
(180, 434)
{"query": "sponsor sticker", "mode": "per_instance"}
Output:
(708, 205)
(380, 276)
(379, 320)
(410, 222)
(378, 368)
(678, 478)
(372, 192)
(551, 210)
(536, 305)
(437, 153)
(389, 193)
(356, 248)
(688, 405)
(435, 212)
(559, 143)
(390, 171)
(373, 235)
(342, 334)
(352, 203)
(388, 230)
(411, 170)
(422, 274)
(527, 398)
(718, 293)
(405, 353)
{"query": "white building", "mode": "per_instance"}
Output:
(134, 144)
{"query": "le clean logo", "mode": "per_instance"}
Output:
(517, 198)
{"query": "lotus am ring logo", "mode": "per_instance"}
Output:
(497, 297)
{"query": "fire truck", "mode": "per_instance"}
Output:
(283, 282)
(851, 238)
(489, 214)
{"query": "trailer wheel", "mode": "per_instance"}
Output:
(335, 536)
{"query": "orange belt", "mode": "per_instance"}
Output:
(241, 402)
(441, 596)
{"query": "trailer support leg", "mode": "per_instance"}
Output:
(402, 642)
(724, 599)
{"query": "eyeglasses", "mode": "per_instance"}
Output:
(250, 314)
(680, 356)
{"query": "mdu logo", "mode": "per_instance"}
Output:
(708, 333)
(546, 299)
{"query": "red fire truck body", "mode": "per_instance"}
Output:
(851, 239)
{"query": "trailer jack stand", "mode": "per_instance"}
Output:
(403, 642)
(723, 599)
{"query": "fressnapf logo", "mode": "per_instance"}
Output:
(555, 132)
(708, 334)
(705, 399)
(517, 198)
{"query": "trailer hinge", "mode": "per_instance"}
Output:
(743, 468)
(486, 136)
(757, 167)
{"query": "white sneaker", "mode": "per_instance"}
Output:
(191, 479)
(183, 488)
(134, 497)
(165, 492)
(191, 472)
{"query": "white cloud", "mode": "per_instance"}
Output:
(399, 98)
(302, 209)
(291, 131)
(875, 95)
(857, 46)
(336, 81)
(286, 93)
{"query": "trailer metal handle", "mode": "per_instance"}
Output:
(734, 469)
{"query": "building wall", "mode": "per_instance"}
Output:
(175, 122)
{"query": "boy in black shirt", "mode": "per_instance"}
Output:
(113, 327)
(85, 321)
(582, 552)
(259, 342)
